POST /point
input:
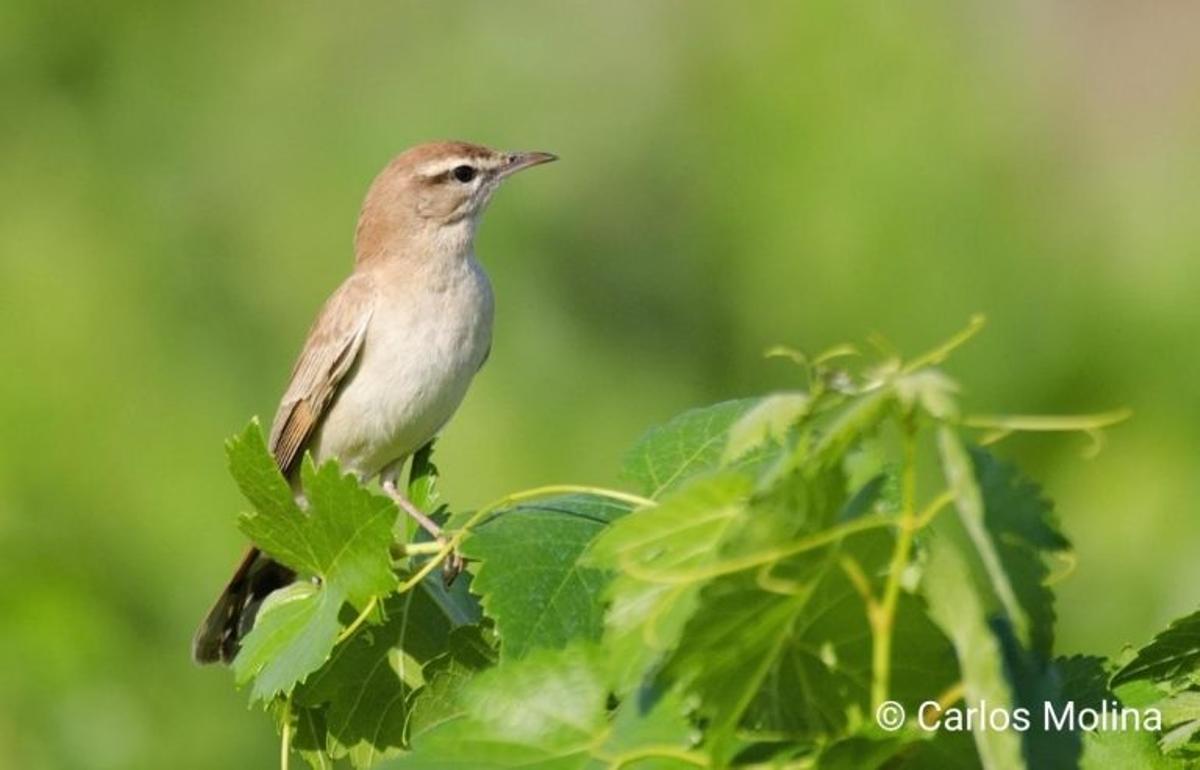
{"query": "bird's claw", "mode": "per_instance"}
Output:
(452, 566)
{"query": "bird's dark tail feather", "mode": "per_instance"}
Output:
(232, 615)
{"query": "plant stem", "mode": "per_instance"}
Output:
(418, 549)
(941, 352)
(285, 742)
(999, 427)
(1048, 422)
(683, 756)
(812, 542)
(349, 630)
(517, 497)
(882, 616)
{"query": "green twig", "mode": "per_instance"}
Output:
(285, 742)
(1091, 425)
(441, 550)
(694, 758)
(349, 630)
(882, 615)
(516, 497)
(823, 538)
(941, 352)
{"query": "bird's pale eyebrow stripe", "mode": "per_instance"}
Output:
(437, 172)
(442, 168)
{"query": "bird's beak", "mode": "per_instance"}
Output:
(521, 160)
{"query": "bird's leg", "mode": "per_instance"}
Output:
(427, 524)
(454, 561)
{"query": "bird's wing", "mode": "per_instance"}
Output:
(330, 351)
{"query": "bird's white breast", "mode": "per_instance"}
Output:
(424, 343)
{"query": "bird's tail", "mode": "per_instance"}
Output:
(232, 615)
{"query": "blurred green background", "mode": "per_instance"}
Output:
(179, 188)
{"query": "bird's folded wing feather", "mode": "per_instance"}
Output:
(330, 351)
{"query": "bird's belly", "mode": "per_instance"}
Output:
(417, 361)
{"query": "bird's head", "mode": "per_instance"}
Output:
(436, 192)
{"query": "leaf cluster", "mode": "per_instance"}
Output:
(786, 566)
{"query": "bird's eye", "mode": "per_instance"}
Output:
(463, 173)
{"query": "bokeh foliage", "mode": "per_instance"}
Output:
(180, 184)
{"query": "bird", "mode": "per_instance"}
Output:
(392, 351)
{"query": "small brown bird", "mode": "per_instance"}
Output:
(391, 354)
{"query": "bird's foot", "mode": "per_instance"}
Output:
(452, 567)
(454, 563)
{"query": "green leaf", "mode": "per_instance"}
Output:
(839, 428)
(1085, 680)
(997, 669)
(254, 470)
(786, 651)
(872, 480)
(685, 446)
(549, 711)
(343, 538)
(544, 712)
(770, 640)
(707, 527)
(1106, 750)
(1173, 653)
(946, 750)
(1036, 682)
(1085, 683)
(529, 575)
(846, 429)
(661, 556)
(309, 737)
(1165, 675)
(650, 719)
(957, 607)
(470, 650)
(1022, 524)
(296, 628)
(680, 533)
(349, 533)
(365, 687)
(740, 649)
(1181, 720)
(936, 393)
(1011, 529)
(768, 420)
(985, 557)
(1015, 508)
(862, 752)
(345, 535)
